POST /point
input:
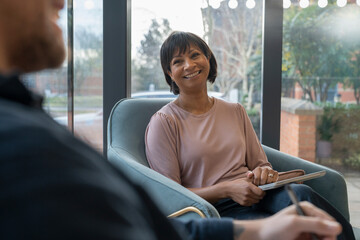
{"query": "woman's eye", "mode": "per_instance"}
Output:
(195, 55)
(176, 62)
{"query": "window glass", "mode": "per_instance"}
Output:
(321, 87)
(52, 84)
(88, 51)
(233, 30)
(88, 69)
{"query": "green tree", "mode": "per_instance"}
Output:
(312, 54)
(354, 79)
(235, 37)
(88, 53)
(146, 68)
(352, 36)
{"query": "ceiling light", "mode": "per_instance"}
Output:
(322, 3)
(341, 3)
(250, 4)
(214, 4)
(233, 4)
(304, 3)
(287, 3)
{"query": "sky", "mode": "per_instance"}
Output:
(184, 15)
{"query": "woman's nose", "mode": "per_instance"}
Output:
(189, 63)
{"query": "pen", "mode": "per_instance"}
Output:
(295, 201)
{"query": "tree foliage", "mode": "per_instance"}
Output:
(88, 53)
(146, 67)
(234, 35)
(312, 53)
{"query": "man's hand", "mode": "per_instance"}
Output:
(287, 225)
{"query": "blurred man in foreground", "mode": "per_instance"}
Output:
(54, 186)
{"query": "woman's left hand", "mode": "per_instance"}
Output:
(264, 175)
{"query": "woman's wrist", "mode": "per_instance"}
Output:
(224, 189)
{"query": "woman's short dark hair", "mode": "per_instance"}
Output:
(180, 42)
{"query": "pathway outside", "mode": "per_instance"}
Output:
(353, 188)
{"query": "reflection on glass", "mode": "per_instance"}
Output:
(321, 87)
(88, 58)
(233, 30)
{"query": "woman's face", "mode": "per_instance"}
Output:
(190, 70)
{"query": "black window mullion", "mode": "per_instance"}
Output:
(117, 56)
(70, 68)
(271, 73)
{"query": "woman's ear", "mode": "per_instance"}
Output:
(169, 73)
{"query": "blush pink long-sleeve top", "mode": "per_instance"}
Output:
(202, 150)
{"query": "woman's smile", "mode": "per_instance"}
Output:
(192, 74)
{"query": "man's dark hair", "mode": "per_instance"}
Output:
(180, 42)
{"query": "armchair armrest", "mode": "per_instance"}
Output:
(332, 186)
(169, 195)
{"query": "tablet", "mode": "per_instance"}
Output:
(292, 180)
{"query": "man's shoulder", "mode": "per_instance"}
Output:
(32, 131)
(15, 117)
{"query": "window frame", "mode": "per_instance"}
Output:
(117, 64)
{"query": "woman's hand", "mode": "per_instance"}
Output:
(244, 192)
(264, 175)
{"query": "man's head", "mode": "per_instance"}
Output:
(30, 39)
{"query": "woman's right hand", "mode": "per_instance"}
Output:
(244, 192)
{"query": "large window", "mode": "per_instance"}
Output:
(320, 69)
(87, 78)
(52, 84)
(320, 87)
(88, 70)
(233, 30)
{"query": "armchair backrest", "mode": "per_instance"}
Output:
(127, 124)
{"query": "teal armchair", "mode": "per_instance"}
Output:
(126, 149)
